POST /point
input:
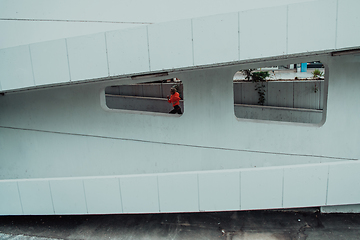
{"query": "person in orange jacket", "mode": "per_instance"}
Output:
(175, 100)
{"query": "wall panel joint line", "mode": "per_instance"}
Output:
(22, 208)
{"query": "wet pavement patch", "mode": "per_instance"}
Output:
(212, 225)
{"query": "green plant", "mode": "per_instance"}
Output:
(247, 73)
(317, 73)
(258, 78)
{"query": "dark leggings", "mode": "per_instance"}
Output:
(177, 109)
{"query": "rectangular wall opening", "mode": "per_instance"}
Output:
(288, 93)
(144, 97)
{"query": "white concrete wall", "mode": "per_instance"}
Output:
(240, 189)
(64, 135)
(201, 41)
(67, 114)
(66, 140)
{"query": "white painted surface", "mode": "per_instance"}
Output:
(87, 57)
(348, 22)
(128, 51)
(305, 186)
(102, 195)
(262, 188)
(170, 45)
(10, 199)
(125, 14)
(63, 135)
(318, 19)
(265, 30)
(140, 194)
(76, 121)
(343, 180)
(216, 39)
(219, 191)
(178, 192)
(50, 57)
(68, 196)
(36, 198)
(15, 68)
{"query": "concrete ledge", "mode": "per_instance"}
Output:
(191, 191)
(147, 104)
(285, 114)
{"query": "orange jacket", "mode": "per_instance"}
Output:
(174, 99)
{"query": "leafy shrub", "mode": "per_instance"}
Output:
(317, 74)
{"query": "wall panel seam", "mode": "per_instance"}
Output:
(287, 29)
(192, 42)
(22, 208)
(238, 35)
(121, 198)
(198, 190)
(240, 190)
(32, 66)
(68, 59)
(158, 192)
(336, 23)
(283, 187)
(107, 55)
(51, 196)
(327, 186)
(148, 46)
(83, 184)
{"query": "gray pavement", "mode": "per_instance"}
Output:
(234, 225)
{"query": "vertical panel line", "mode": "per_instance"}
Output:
(87, 209)
(327, 186)
(192, 41)
(293, 94)
(158, 192)
(336, 23)
(22, 208)
(32, 66)
(319, 98)
(148, 46)
(198, 188)
(68, 59)
(121, 198)
(51, 195)
(239, 35)
(287, 29)
(240, 190)
(107, 55)
(283, 187)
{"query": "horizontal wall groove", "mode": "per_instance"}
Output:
(180, 144)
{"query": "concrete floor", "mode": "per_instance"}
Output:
(235, 225)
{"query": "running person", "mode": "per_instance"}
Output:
(175, 100)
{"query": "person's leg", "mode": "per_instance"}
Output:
(173, 111)
(178, 109)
